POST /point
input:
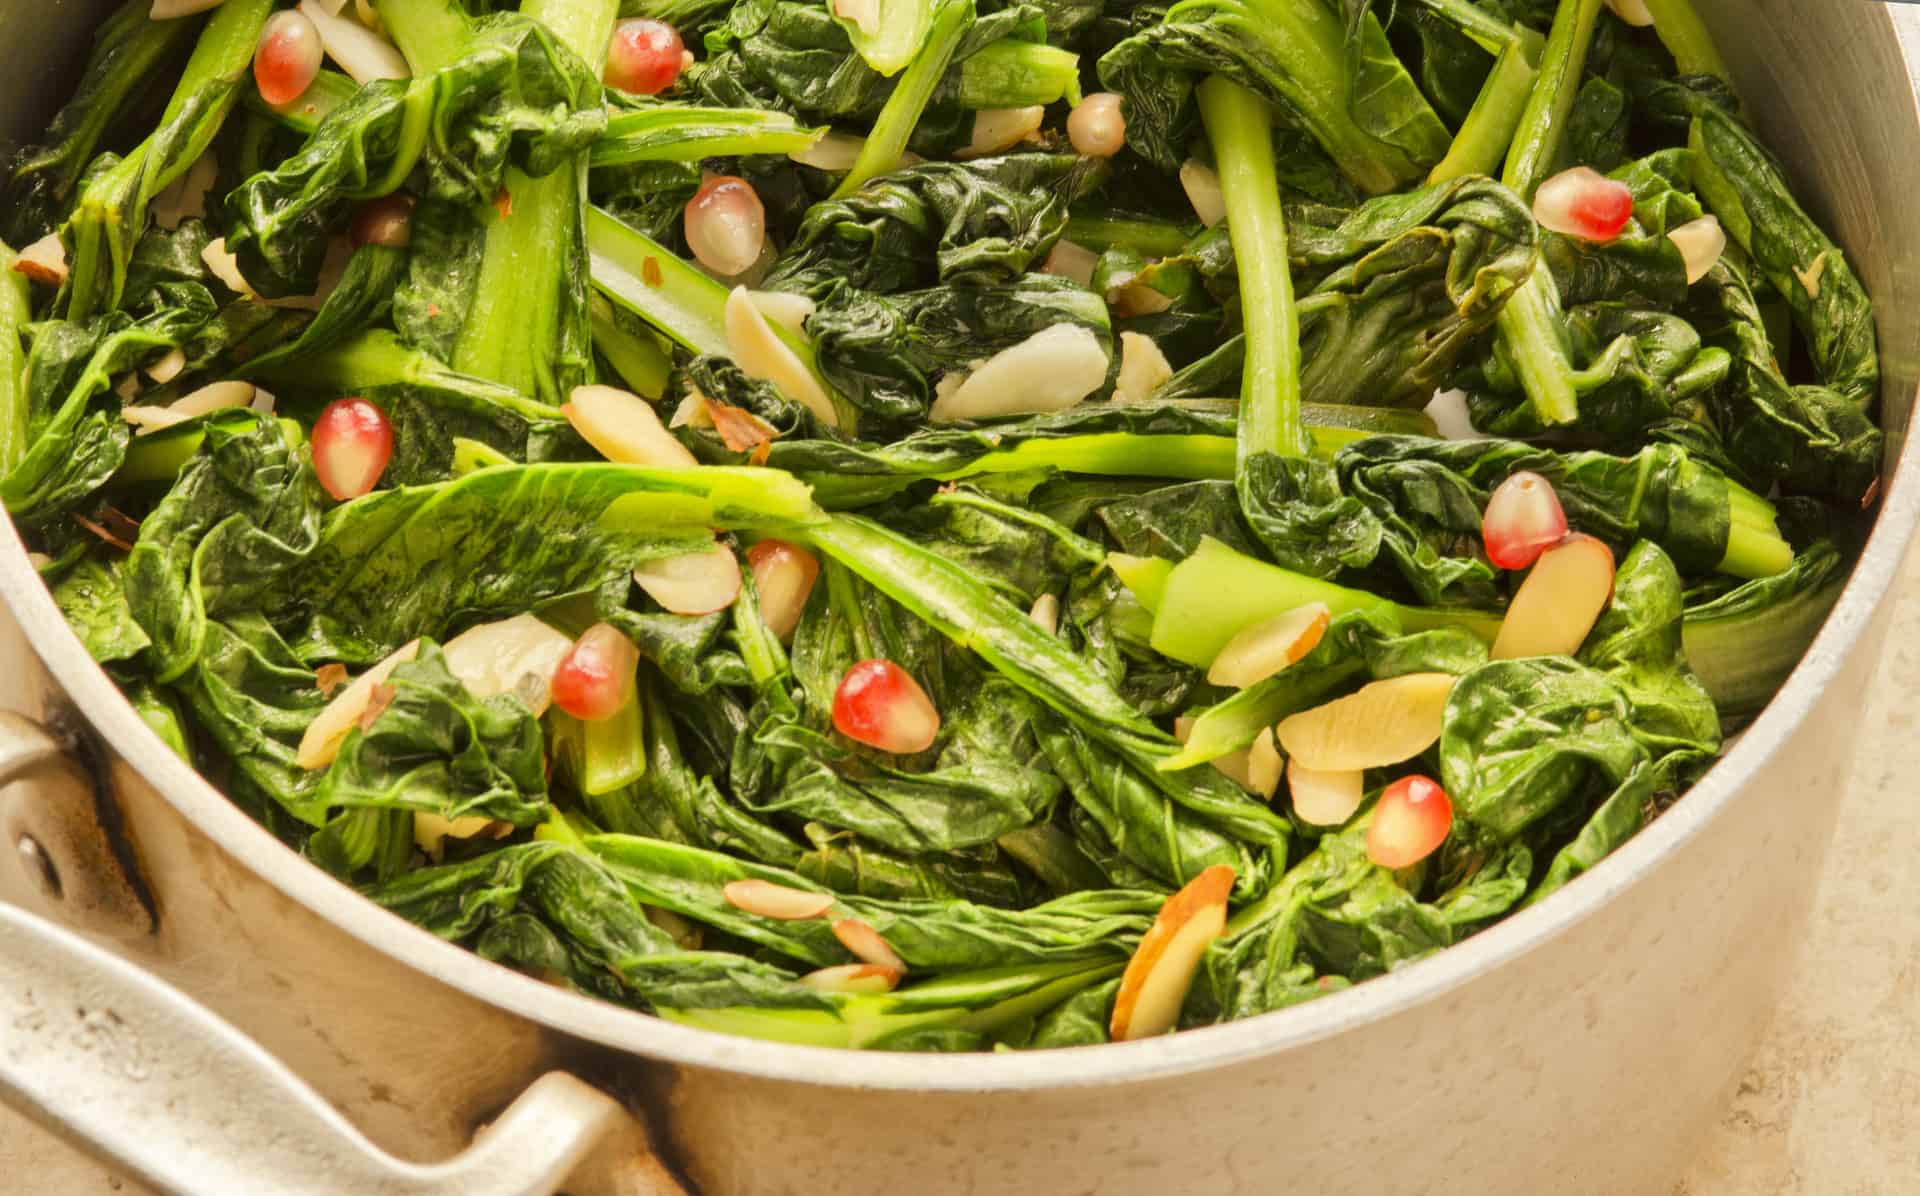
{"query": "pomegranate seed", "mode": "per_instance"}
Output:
(1523, 519)
(595, 679)
(1584, 203)
(726, 225)
(764, 899)
(1701, 242)
(287, 57)
(1410, 822)
(644, 57)
(352, 441)
(1096, 126)
(879, 705)
(783, 575)
(866, 945)
(385, 221)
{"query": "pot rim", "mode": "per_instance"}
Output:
(209, 811)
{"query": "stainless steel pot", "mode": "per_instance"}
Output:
(1578, 1047)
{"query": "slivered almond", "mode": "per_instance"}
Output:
(1325, 797)
(836, 152)
(1143, 368)
(1559, 602)
(1202, 186)
(1267, 647)
(215, 396)
(431, 831)
(866, 944)
(1155, 984)
(764, 899)
(1256, 768)
(44, 261)
(1045, 612)
(853, 979)
(693, 583)
(337, 718)
(147, 418)
(760, 353)
(622, 427)
(517, 655)
(784, 308)
(168, 367)
(1051, 370)
(1384, 723)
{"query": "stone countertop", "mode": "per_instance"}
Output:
(1827, 1107)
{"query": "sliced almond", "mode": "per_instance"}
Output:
(1051, 370)
(853, 979)
(1202, 186)
(337, 718)
(431, 831)
(1070, 260)
(225, 267)
(1155, 984)
(362, 53)
(784, 308)
(1384, 723)
(836, 152)
(998, 129)
(1143, 368)
(215, 396)
(864, 15)
(147, 418)
(168, 367)
(760, 353)
(693, 583)
(1045, 613)
(692, 412)
(1559, 602)
(740, 430)
(44, 261)
(764, 899)
(1137, 299)
(517, 655)
(866, 944)
(1266, 647)
(622, 427)
(1257, 768)
(1325, 798)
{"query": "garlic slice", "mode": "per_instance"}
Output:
(1049, 371)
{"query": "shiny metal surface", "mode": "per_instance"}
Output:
(1578, 1047)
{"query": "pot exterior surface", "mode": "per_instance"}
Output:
(1580, 1047)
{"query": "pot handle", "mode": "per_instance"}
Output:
(141, 1077)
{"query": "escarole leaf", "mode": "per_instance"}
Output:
(111, 212)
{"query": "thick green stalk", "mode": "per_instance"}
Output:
(1543, 124)
(517, 331)
(431, 33)
(1685, 35)
(1240, 127)
(1019, 74)
(1148, 238)
(635, 354)
(881, 153)
(688, 134)
(1487, 133)
(1487, 30)
(1534, 330)
(16, 308)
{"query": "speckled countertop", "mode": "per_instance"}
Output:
(1830, 1104)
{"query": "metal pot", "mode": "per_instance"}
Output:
(1580, 1046)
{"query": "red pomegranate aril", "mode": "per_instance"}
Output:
(1096, 126)
(1523, 520)
(287, 57)
(879, 705)
(783, 576)
(385, 221)
(595, 679)
(726, 225)
(352, 441)
(1584, 203)
(645, 56)
(1410, 822)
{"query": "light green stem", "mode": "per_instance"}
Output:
(881, 153)
(16, 309)
(1487, 133)
(1543, 125)
(1685, 35)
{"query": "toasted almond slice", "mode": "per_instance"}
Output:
(784, 308)
(764, 899)
(1325, 798)
(517, 655)
(225, 267)
(431, 831)
(1045, 613)
(998, 129)
(1155, 984)
(168, 367)
(692, 412)
(623, 428)
(1384, 723)
(1559, 602)
(1071, 260)
(44, 261)
(867, 945)
(835, 152)
(864, 14)
(1256, 768)
(1265, 648)
(760, 353)
(853, 979)
(1143, 368)
(693, 583)
(215, 396)
(1202, 186)
(147, 418)
(330, 727)
(1051, 370)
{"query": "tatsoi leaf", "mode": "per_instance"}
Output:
(401, 563)
(959, 223)
(438, 749)
(515, 95)
(1354, 97)
(93, 597)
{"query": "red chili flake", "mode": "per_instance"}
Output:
(650, 272)
(1873, 493)
(328, 678)
(740, 429)
(503, 203)
(377, 703)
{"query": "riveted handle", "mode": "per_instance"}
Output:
(138, 1075)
